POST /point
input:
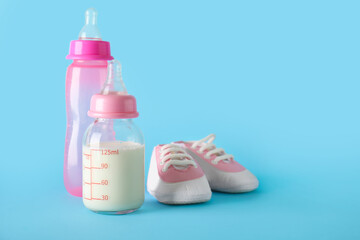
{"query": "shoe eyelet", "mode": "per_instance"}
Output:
(227, 161)
(163, 170)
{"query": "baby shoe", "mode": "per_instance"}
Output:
(175, 178)
(222, 171)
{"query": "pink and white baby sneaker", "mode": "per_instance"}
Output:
(175, 178)
(222, 171)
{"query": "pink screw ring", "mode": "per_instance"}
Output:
(113, 106)
(89, 50)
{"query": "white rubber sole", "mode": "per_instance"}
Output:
(183, 192)
(187, 192)
(239, 189)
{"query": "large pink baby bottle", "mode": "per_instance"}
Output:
(84, 78)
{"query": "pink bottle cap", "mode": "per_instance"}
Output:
(113, 101)
(89, 50)
(113, 106)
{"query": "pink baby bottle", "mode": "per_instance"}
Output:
(84, 78)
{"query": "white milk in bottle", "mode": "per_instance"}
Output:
(113, 176)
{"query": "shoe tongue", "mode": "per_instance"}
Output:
(177, 158)
(176, 152)
(215, 154)
(180, 167)
(173, 152)
(180, 159)
(209, 149)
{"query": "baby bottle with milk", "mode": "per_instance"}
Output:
(113, 150)
(84, 77)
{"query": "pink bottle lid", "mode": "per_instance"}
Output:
(113, 105)
(89, 50)
(113, 101)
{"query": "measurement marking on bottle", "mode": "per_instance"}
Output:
(94, 167)
(97, 199)
(109, 152)
(94, 199)
(90, 176)
(103, 182)
(92, 183)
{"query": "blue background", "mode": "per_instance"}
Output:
(277, 81)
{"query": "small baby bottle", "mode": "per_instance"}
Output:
(84, 78)
(113, 150)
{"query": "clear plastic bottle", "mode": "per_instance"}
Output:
(113, 151)
(84, 77)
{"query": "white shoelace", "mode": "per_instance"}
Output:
(171, 154)
(212, 150)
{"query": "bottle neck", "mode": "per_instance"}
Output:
(120, 120)
(90, 63)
